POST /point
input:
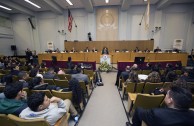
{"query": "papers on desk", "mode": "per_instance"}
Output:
(142, 76)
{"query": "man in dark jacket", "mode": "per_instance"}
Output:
(178, 101)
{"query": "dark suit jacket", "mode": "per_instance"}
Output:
(49, 75)
(163, 117)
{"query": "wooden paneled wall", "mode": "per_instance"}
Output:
(112, 45)
(117, 57)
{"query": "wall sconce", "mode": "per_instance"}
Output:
(62, 32)
(156, 29)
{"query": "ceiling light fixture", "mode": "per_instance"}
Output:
(145, 0)
(107, 1)
(30, 2)
(69, 2)
(1, 6)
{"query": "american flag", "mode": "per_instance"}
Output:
(70, 21)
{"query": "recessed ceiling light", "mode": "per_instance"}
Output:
(30, 2)
(69, 2)
(107, 1)
(145, 0)
(1, 6)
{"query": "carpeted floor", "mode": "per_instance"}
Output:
(104, 107)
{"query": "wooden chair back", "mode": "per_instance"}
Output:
(139, 87)
(149, 87)
(84, 87)
(63, 95)
(5, 121)
(68, 76)
(62, 83)
(47, 92)
(147, 101)
(2, 88)
(61, 76)
(49, 81)
(146, 72)
(63, 121)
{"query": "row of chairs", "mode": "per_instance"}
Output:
(12, 120)
(147, 72)
(142, 87)
(145, 101)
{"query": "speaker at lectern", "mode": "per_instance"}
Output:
(105, 58)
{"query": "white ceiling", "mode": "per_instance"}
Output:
(20, 6)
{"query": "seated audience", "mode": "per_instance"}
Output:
(40, 106)
(148, 66)
(37, 83)
(78, 94)
(73, 50)
(154, 76)
(171, 76)
(157, 49)
(80, 76)
(15, 99)
(94, 50)
(72, 70)
(58, 70)
(50, 74)
(133, 78)
(15, 70)
(23, 76)
(65, 50)
(86, 49)
(146, 50)
(34, 72)
(178, 66)
(105, 50)
(136, 49)
(178, 101)
(57, 50)
(125, 74)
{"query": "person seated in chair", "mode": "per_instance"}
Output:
(15, 99)
(73, 50)
(40, 106)
(105, 50)
(65, 50)
(125, 74)
(136, 49)
(37, 83)
(50, 74)
(80, 76)
(157, 49)
(94, 50)
(23, 76)
(146, 50)
(86, 49)
(177, 113)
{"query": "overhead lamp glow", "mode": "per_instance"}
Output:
(6, 8)
(145, 0)
(107, 1)
(30, 2)
(69, 2)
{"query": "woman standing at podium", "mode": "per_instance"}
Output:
(105, 50)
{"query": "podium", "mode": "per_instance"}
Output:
(105, 58)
